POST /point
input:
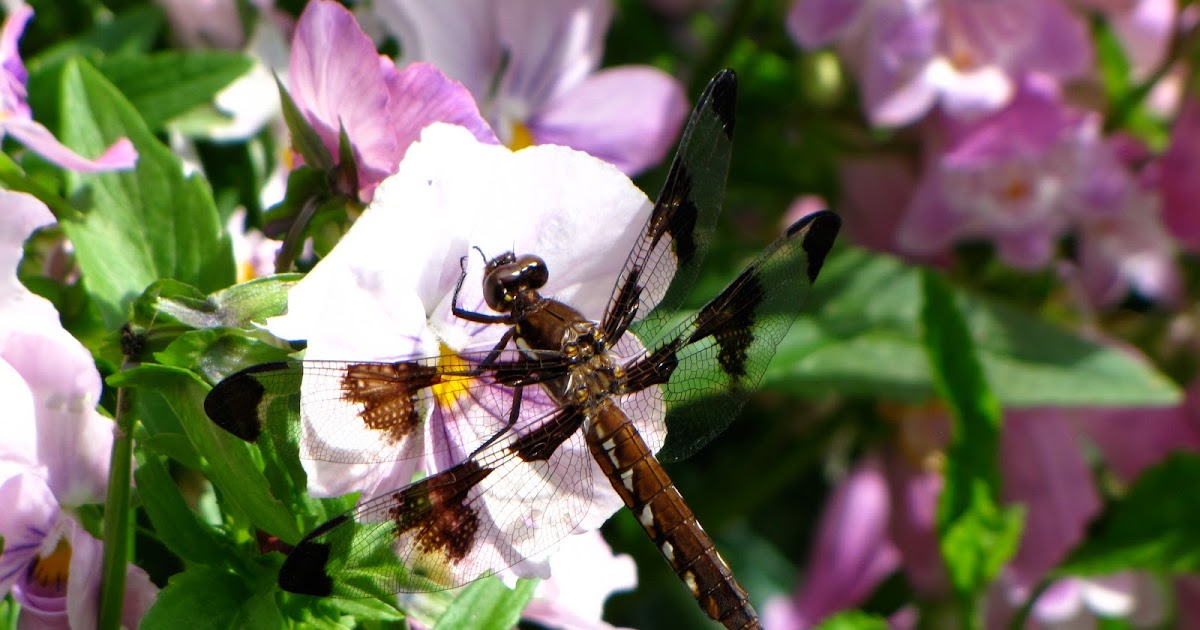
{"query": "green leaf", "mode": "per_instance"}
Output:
(853, 620)
(174, 522)
(977, 535)
(167, 84)
(488, 604)
(140, 225)
(206, 597)
(1155, 526)
(231, 466)
(863, 337)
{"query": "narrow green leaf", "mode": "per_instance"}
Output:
(140, 225)
(488, 604)
(166, 84)
(174, 522)
(862, 336)
(1155, 526)
(977, 534)
(231, 467)
(853, 620)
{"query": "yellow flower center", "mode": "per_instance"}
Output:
(521, 137)
(450, 389)
(52, 570)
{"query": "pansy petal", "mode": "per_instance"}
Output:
(20, 215)
(460, 36)
(119, 156)
(627, 116)
(815, 23)
(337, 80)
(552, 46)
(583, 574)
(20, 431)
(73, 440)
(29, 514)
(13, 94)
(422, 95)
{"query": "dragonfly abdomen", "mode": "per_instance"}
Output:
(647, 490)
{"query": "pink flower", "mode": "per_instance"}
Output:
(56, 450)
(385, 291)
(1017, 177)
(966, 56)
(16, 119)
(851, 555)
(1179, 182)
(338, 79)
(532, 67)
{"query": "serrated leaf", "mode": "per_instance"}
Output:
(1155, 526)
(166, 84)
(862, 337)
(140, 225)
(488, 604)
(231, 467)
(210, 598)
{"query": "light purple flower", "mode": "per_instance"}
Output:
(966, 56)
(385, 291)
(584, 573)
(16, 119)
(852, 553)
(1017, 178)
(338, 79)
(55, 454)
(532, 67)
(1144, 28)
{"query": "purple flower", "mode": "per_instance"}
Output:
(851, 555)
(56, 450)
(966, 56)
(532, 67)
(16, 119)
(1179, 184)
(385, 291)
(338, 79)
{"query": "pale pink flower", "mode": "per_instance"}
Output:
(583, 574)
(965, 56)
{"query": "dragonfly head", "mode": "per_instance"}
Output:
(509, 276)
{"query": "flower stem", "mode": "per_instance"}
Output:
(116, 515)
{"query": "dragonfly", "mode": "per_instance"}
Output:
(562, 384)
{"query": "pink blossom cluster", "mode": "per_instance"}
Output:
(1011, 145)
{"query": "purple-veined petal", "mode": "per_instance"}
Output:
(422, 95)
(29, 516)
(459, 36)
(815, 23)
(628, 116)
(337, 79)
(119, 156)
(552, 47)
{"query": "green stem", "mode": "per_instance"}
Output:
(116, 516)
(295, 237)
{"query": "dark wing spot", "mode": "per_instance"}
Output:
(540, 444)
(723, 91)
(389, 393)
(822, 230)
(435, 510)
(306, 569)
(234, 403)
(729, 319)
